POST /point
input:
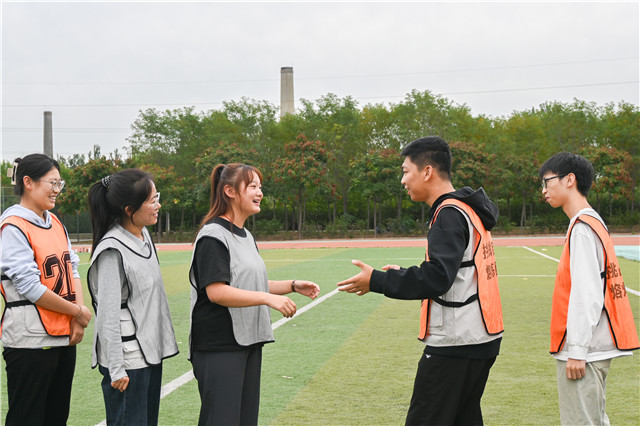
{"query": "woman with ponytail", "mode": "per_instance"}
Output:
(44, 316)
(133, 331)
(230, 300)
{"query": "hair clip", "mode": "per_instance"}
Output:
(12, 173)
(106, 181)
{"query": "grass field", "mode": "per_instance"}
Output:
(351, 360)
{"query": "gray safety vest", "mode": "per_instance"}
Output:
(251, 324)
(147, 299)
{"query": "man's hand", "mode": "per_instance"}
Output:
(358, 284)
(575, 368)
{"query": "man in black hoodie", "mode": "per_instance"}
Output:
(461, 316)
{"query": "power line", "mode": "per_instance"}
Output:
(63, 130)
(299, 78)
(516, 90)
(137, 105)
(108, 105)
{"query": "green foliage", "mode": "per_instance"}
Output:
(302, 171)
(473, 166)
(334, 158)
(268, 227)
(74, 197)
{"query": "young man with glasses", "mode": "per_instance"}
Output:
(591, 318)
(461, 315)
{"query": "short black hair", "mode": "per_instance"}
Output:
(430, 151)
(33, 165)
(563, 163)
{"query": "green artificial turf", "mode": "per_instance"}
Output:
(352, 359)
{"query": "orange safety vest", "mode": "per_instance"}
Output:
(51, 254)
(616, 302)
(484, 261)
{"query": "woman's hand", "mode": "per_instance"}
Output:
(121, 384)
(307, 288)
(83, 317)
(76, 332)
(286, 306)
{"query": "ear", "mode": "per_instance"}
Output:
(129, 211)
(229, 191)
(428, 172)
(28, 183)
(571, 180)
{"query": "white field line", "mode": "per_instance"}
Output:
(630, 290)
(541, 254)
(188, 376)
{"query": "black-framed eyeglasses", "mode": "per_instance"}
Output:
(546, 180)
(56, 184)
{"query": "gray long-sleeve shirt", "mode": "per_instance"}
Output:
(112, 322)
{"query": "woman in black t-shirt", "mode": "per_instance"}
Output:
(230, 300)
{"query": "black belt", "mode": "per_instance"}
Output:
(471, 299)
(128, 338)
(467, 264)
(19, 303)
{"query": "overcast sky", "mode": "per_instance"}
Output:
(95, 65)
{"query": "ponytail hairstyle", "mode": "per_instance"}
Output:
(109, 198)
(233, 175)
(33, 165)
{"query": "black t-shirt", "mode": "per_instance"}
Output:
(211, 328)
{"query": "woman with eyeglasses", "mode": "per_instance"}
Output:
(44, 316)
(133, 329)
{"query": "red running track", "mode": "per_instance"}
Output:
(552, 240)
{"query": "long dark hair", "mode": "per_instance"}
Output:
(33, 165)
(234, 175)
(109, 198)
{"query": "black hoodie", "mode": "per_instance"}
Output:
(448, 238)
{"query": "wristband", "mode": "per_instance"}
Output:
(293, 286)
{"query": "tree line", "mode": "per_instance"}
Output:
(333, 167)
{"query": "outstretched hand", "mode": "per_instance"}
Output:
(307, 288)
(358, 284)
